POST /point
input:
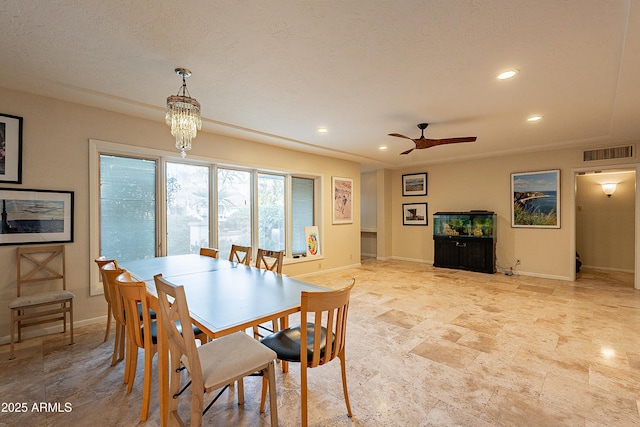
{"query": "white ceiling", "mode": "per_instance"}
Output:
(275, 71)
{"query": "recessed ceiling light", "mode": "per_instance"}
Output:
(534, 118)
(382, 148)
(507, 74)
(323, 130)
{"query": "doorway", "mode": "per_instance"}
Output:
(606, 217)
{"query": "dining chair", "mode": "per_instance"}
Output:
(41, 288)
(271, 261)
(240, 254)
(139, 334)
(110, 271)
(213, 365)
(210, 252)
(325, 314)
(100, 261)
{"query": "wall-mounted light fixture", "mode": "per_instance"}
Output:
(609, 188)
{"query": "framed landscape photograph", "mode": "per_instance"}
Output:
(414, 214)
(10, 149)
(342, 192)
(35, 216)
(414, 184)
(535, 199)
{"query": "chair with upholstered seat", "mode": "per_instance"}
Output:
(325, 314)
(271, 261)
(210, 252)
(213, 365)
(240, 254)
(105, 290)
(42, 295)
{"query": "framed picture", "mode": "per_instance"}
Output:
(313, 240)
(414, 214)
(535, 199)
(10, 149)
(36, 216)
(414, 184)
(342, 192)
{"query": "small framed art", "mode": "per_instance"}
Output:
(342, 191)
(10, 149)
(414, 184)
(414, 214)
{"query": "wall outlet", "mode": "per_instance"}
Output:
(517, 262)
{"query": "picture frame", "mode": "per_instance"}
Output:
(342, 200)
(414, 184)
(35, 216)
(10, 149)
(415, 214)
(535, 199)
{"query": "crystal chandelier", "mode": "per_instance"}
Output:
(183, 115)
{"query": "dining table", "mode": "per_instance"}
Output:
(223, 297)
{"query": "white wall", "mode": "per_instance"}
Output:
(56, 157)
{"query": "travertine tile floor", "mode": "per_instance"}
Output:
(426, 347)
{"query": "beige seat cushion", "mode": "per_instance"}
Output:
(40, 298)
(230, 356)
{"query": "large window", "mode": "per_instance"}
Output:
(148, 206)
(127, 208)
(187, 208)
(234, 209)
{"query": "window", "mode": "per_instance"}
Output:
(302, 210)
(234, 209)
(271, 212)
(187, 208)
(127, 208)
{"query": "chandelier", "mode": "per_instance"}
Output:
(183, 115)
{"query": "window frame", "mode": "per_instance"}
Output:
(99, 147)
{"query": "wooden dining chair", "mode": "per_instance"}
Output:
(139, 334)
(213, 365)
(110, 271)
(100, 261)
(210, 252)
(240, 254)
(41, 287)
(325, 314)
(271, 261)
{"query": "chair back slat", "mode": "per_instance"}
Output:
(240, 254)
(270, 260)
(134, 293)
(210, 252)
(110, 272)
(40, 264)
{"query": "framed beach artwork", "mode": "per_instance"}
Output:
(342, 195)
(414, 214)
(414, 184)
(535, 199)
(36, 216)
(10, 149)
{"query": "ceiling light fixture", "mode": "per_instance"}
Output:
(323, 130)
(383, 148)
(534, 118)
(507, 74)
(183, 115)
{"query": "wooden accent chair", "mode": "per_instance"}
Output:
(324, 335)
(211, 252)
(240, 254)
(51, 301)
(100, 261)
(272, 261)
(110, 272)
(213, 365)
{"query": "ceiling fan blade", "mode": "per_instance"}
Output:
(408, 151)
(453, 140)
(398, 135)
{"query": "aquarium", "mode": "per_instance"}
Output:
(471, 224)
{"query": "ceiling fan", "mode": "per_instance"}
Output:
(423, 142)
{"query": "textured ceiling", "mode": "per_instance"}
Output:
(275, 71)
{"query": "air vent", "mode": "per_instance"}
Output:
(625, 152)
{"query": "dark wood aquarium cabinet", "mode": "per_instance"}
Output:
(465, 240)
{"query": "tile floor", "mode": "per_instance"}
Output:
(426, 347)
